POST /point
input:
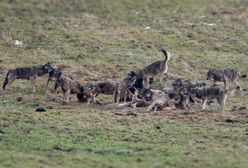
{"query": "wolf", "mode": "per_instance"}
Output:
(68, 86)
(161, 103)
(160, 99)
(228, 76)
(210, 93)
(183, 89)
(156, 68)
(137, 100)
(122, 93)
(27, 73)
(107, 88)
(52, 74)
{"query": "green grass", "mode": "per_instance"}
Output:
(104, 40)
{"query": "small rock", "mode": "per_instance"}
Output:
(40, 109)
(158, 127)
(231, 121)
(147, 28)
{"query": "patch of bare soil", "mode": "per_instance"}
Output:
(211, 115)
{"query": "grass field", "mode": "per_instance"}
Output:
(99, 40)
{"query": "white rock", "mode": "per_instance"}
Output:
(147, 28)
(18, 42)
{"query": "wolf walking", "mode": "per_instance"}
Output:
(26, 73)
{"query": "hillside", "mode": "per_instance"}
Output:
(103, 41)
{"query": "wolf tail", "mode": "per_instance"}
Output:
(166, 54)
(80, 96)
(6, 81)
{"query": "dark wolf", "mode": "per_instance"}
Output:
(183, 89)
(27, 73)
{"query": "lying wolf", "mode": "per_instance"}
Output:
(27, 73)
(161, 103)
(137, 100)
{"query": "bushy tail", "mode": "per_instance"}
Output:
(6, 81)
(80, 96)
(166, 54)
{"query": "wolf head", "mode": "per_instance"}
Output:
(210, 74)
(54, 74)
(47, 67)
(147, 94)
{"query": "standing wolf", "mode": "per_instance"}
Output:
(156, 68)
(228, 75)
(68, 86)
(27, 73)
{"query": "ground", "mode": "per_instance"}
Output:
(102, 41)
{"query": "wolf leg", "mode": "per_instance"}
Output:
(237, 86)
(204, 104)
(67, 94)
(222, 101)
(33, 84)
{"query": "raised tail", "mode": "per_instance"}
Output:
(6, 81)
(166, 54)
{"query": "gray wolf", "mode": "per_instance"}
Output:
(210, 93)
(161, 103)
(156, 68)
(137, 100)
(106, 88)
(228, 75)
(54, 73)
(122, 93)
(68, 86)
(160, 100)
(183, 89)
(135, 89)
(27, 73)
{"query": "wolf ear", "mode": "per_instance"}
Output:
(132, 74)
(49, 63)
(59, 73)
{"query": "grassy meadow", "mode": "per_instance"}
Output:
(102, 40)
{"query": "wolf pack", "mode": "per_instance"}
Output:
(135, 89)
